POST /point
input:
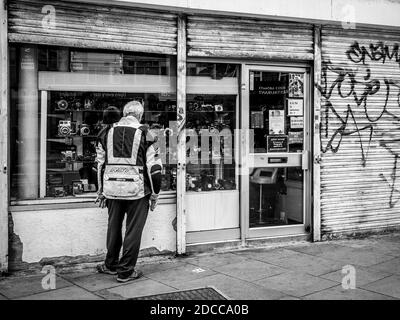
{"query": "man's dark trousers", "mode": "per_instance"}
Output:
(136, 215)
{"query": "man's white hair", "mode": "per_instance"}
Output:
(133, 108)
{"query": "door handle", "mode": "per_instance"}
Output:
(305, 160)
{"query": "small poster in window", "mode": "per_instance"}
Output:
(257, 119)
(295, 137)
(296, 85)
(277, 143)
(276, 122)
(296, 122)
(295, 107)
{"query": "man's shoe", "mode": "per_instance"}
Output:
(101, 268)
(136, 274)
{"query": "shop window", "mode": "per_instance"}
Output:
(58, 98)
(211, 121)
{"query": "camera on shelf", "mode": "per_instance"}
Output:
(66, 128)
(84, 129)
(68, 156)
(171, 107)
(56, 191)
(89, 187)
(173, 178)
(76, 105)
(193, 183)
(219, 107)
(62, 105)
(88, 104)
(227, 184)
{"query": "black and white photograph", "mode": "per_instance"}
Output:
(200, 158)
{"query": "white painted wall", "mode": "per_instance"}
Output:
(74, 232)
(375, 12)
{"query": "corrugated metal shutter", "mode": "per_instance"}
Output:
(219, 36)
(92, 26)
(360, 130)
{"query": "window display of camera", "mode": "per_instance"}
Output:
(213, 116)
(74, 120)
(68, 156)
(66, 128)
(84, 129)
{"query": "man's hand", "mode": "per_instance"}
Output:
(153, 201)
(102, 200)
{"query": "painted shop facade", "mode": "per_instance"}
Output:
(271, 123)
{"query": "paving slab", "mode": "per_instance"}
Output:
(140, 289)
(296, 284)
(389, 286)
(182, 273)
(363, 275)
(156, 267)
(97, 281)
(301, 262)
(289, 298)
(385, 246)
(266, 254)
(250, 270)
(391, 266)
(318, 248)
(67, 293)
(338, 293)
(214, 260)
(14, 287)
(232, 287)
(347, 255)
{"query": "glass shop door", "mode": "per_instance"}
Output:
(275, 171)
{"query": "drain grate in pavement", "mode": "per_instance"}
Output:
(208, 293)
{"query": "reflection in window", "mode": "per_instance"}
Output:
(74, 118)
(211, 120)
(276, 111)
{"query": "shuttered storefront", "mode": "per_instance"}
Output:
(92, 26)
(360, 113)
(219, 36)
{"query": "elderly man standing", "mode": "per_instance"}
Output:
(129, 177)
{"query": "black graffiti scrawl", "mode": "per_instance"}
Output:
(359, 98)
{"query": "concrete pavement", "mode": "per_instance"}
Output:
(292, 271)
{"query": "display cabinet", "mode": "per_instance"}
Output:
(73, 122)
(211, 123)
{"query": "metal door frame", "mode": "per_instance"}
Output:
(286, 230)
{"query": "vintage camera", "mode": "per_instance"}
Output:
(77, 104)
(88, 104)
(171, 107)
(62, 105)
(84, 129)
(219, 107)
(66, 128)
(207, 107)
(227, 184)
(56, 191)
(207, 182)
(89, 187)
(68, 156)
(77, 187)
